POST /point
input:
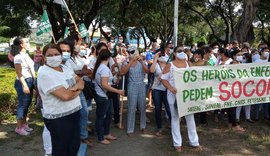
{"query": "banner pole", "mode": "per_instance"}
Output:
(52, 34)
(122, 104)
(71, 16)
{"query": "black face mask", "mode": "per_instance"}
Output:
(131, 52)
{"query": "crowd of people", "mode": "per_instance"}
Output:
(66, 68)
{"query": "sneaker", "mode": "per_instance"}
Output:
(27, 128)
(21, 131)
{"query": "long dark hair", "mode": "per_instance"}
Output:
(99, 46)
(16, 46)
(103, 55)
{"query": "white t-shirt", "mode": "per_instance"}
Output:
(26, 63)
(93, 61)
(157, 82)
(75, 64)
(102, 71)
(49, 80)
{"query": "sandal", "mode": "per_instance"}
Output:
(105, 142)
(159, 133)
(144, 131)
(197, 148)
(88, 142)
(238, 129)
(178, 148)
(130, 134)
(110, 137)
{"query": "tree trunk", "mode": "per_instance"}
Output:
(244, 25)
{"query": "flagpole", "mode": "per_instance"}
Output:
(52, 34)
(71, 16)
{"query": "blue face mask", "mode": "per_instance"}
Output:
(255, 57)
(82, 52)
(66, 56)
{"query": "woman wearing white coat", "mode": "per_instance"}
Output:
(167, 79)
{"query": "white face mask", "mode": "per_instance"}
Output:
(266, 55)
(239, 58)
(162, 59)
(82, 52)
(54, 61)
(255, 57)
(196, 59)
(66, 56)
(181, 56)
(215, 50)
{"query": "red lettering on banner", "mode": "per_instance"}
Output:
(245, 89)
(268, 88)
(224, 91)
(263, 87)
(234, 88)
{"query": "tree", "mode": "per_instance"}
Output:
(263, 21)
(244, 28)
(15, 20)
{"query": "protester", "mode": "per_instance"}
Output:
(37, 57)
(149, 59)
(135, 93)
(80, 68)
(262, 57)
(59, 89)
(103, 80)
(66, 49)
(159, 91)
(167, 79)
(237, 57)
(24, 84)
(226, 60)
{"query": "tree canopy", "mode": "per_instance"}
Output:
(211, 20)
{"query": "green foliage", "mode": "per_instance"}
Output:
(8, 95)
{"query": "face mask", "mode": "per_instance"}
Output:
(239, 58)
(162, 59)
(82, 53)
(196, 59)
(255, 57)
(266, 55)
(54, 61)
(215, 50)
(66, 56)
(171, 51)
(181, 56)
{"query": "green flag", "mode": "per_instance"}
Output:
(83, 30)
(66, 32)
(45, 25)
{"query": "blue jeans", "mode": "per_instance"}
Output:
(103, 116)
(24, 99)
(83, 118)
(160, 97)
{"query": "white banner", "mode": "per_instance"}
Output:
(208, 88)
